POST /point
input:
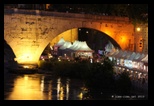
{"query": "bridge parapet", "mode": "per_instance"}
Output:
(67, 15)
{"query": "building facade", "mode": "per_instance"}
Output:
(141, 38)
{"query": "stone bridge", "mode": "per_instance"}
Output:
(28, 32)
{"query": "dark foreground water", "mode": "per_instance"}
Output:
(41, 87)
(48, 87)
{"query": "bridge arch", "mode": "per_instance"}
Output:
(8, 52)
(28, 32)
(101, 35)
(76, 33)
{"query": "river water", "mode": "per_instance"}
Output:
(48, 87)
(41, 87)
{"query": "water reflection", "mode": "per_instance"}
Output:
(25, 88)
(41, 87)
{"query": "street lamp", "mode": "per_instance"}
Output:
(141, 43)
(138, 29)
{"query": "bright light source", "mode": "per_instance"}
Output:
(15, 59)
(80, 95)
(138, 29)
(50, 56)
(26, 66)
(91, 61)
(51, 47)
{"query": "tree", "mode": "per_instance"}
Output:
(101, 76)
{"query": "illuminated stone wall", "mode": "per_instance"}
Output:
(28, 32)
(141, 38)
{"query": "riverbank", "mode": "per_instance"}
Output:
(41, 71)
(135, 93)
(26, 71)
(22, 70)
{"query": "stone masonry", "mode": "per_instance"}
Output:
(28, 32)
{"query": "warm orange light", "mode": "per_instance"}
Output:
(138, 29)
(47, 6)
(26, 56)
(123, 39)
(26, 66)
(22, 89)
(15, 59)
(108, 32)
(80, 95)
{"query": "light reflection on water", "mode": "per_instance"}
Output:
(41, 87)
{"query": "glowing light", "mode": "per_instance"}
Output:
(50, 56)
(22, 89)
(25, 77)
(42, 84)
(108, 32)
(25, 58)
(91, 61)
(123, 39)
(25, 66)
(47, 6)
(51, 47)
(80, 95)
(60, 90)
(15, 59)
(67, 89)
(138, 29)
(58, 87)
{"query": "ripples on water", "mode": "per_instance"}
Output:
(46, 87)
(41, 87)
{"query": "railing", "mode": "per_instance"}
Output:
(134, 69)
(67, 15)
